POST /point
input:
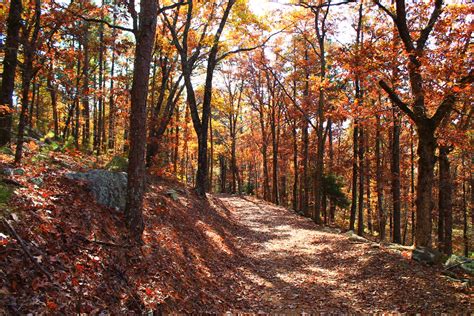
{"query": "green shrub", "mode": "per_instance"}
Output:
(332, 188)
(249, 188)
(5, 194)
(6, 150)
(118, 163)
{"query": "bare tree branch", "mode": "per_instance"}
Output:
(303, 112)
(450, 99)
(172, 6)
(305, 4)
(248, 49)
(397, 101)
(114, 26)
(385, 9)
(94, 20)
(420, 43)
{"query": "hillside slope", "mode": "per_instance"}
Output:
(226, 253)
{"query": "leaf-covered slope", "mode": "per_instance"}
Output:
(226, 253)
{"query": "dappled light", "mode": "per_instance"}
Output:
(236, 157)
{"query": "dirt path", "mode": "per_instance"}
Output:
(292, 265)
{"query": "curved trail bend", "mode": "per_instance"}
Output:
(293, 265)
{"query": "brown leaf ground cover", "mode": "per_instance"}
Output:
(228, 253)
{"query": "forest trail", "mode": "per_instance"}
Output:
(293, 265)
(224, 253)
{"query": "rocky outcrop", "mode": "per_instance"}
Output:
(353, 237)
(426, 255)
(108, 188)
(466, 264)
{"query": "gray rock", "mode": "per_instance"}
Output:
(353, 237)
(37, 181)
(463, 263)
(173, 194)
(425, 255)
(7, 171)
(19, 171)
(108, 188)
(332, 230)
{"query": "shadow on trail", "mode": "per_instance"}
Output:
(292, 265)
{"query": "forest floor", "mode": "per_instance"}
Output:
(295, 266)
(223, 253)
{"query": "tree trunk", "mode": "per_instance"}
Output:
(233, 163)
(26, 83)
(332, 205)
(319, 169)
(68, 120)
(379, 177)
(367, 181)
(465, 216)
(77, 115)
(412, 185)
(306, 180)
(426, 125)
(355, 150)
(264, 150)
(145, 38)
(445, 200)
(275, 197)
(295, 168)
(54, 99)
(9, 70)
(32, 104)
(324, 208)
(101, 109)
(360, 131)
(424, 203)
(201, 173)
(95, 119)
(395, 170)
(29, 48)
(360, 217)
(112, 109)
(266, 181)
(176, 143)
(85, 91)
(211, 156)
(223, 173)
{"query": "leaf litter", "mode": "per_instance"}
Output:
(226, 253)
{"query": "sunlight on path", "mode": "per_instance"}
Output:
(294, 266)
(284, 248)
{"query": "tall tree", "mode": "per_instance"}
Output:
(382, 221)
(30, 37)
(145, 38)
(395, 170)
(9, 70)
(188, 60)
(425, 123)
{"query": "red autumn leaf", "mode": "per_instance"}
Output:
(52, 305)
(406, 254)
(79, 268)
(45, 228)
